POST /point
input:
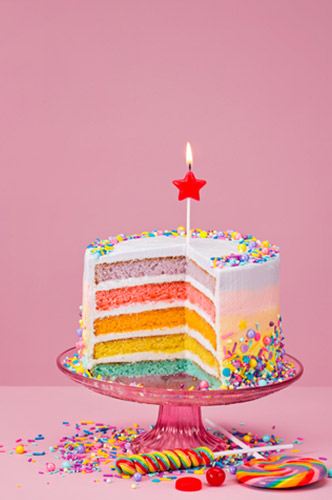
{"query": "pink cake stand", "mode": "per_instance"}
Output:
(179, 423)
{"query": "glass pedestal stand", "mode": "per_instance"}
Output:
(179, 423)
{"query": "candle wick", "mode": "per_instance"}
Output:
(189, 166)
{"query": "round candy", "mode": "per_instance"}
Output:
(251, 334)
(232, 469)
(266, 438)
(215, 476)
(50, 467)
(19, 449)
(204, 384)
(188, 484)
(281, 472)
(80, 448)
(267, 340)
(66, 464)
(247, 438)
(137, 477)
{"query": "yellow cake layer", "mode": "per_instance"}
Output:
(163, 344)
(172, 317)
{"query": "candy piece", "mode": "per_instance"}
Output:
(19, 449)
(204, 384)
(162, 461)
(50, 467)
(329, 473)
(281, 472)
(215, 476)
(188, 484)
(137, 477)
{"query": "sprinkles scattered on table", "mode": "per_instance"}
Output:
(93, 448)
(250, 249)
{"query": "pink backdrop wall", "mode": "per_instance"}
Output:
(97, 102)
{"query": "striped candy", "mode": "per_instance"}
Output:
(158, 461)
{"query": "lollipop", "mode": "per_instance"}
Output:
(281, 472)
(161, 461)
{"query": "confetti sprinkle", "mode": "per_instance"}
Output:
(250, 249)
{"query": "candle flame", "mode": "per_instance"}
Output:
(189, 155)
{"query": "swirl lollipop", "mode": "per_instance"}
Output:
(281, 472)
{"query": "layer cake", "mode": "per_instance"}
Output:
(154, 304)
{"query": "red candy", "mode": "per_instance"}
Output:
(188, 484)
(215, 476)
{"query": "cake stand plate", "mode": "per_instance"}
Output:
(179, 423)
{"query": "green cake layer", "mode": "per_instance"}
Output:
(159, 368)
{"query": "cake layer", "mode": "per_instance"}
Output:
(139, 268)
(176, 265)
(153, 368)
(170, 344)
(155, 292)
(156, 319)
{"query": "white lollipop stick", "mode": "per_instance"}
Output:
(231, 437)
(251, 451)
(244, 447)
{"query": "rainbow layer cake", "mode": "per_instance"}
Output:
(155, 305)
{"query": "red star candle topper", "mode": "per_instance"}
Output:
(189, 187)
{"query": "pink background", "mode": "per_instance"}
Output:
(97, 101)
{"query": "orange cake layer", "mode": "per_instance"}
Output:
(173, 317)
(169, 344)
(154, 292)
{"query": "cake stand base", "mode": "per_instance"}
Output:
(177, 427)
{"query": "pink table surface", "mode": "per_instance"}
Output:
(28, 411)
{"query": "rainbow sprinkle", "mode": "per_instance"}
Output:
(250, 249)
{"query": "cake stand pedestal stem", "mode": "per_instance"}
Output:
(177, 427)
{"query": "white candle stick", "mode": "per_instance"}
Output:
(189, 161)
(188, 220)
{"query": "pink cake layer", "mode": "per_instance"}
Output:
(154, 267)
(154, 292)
